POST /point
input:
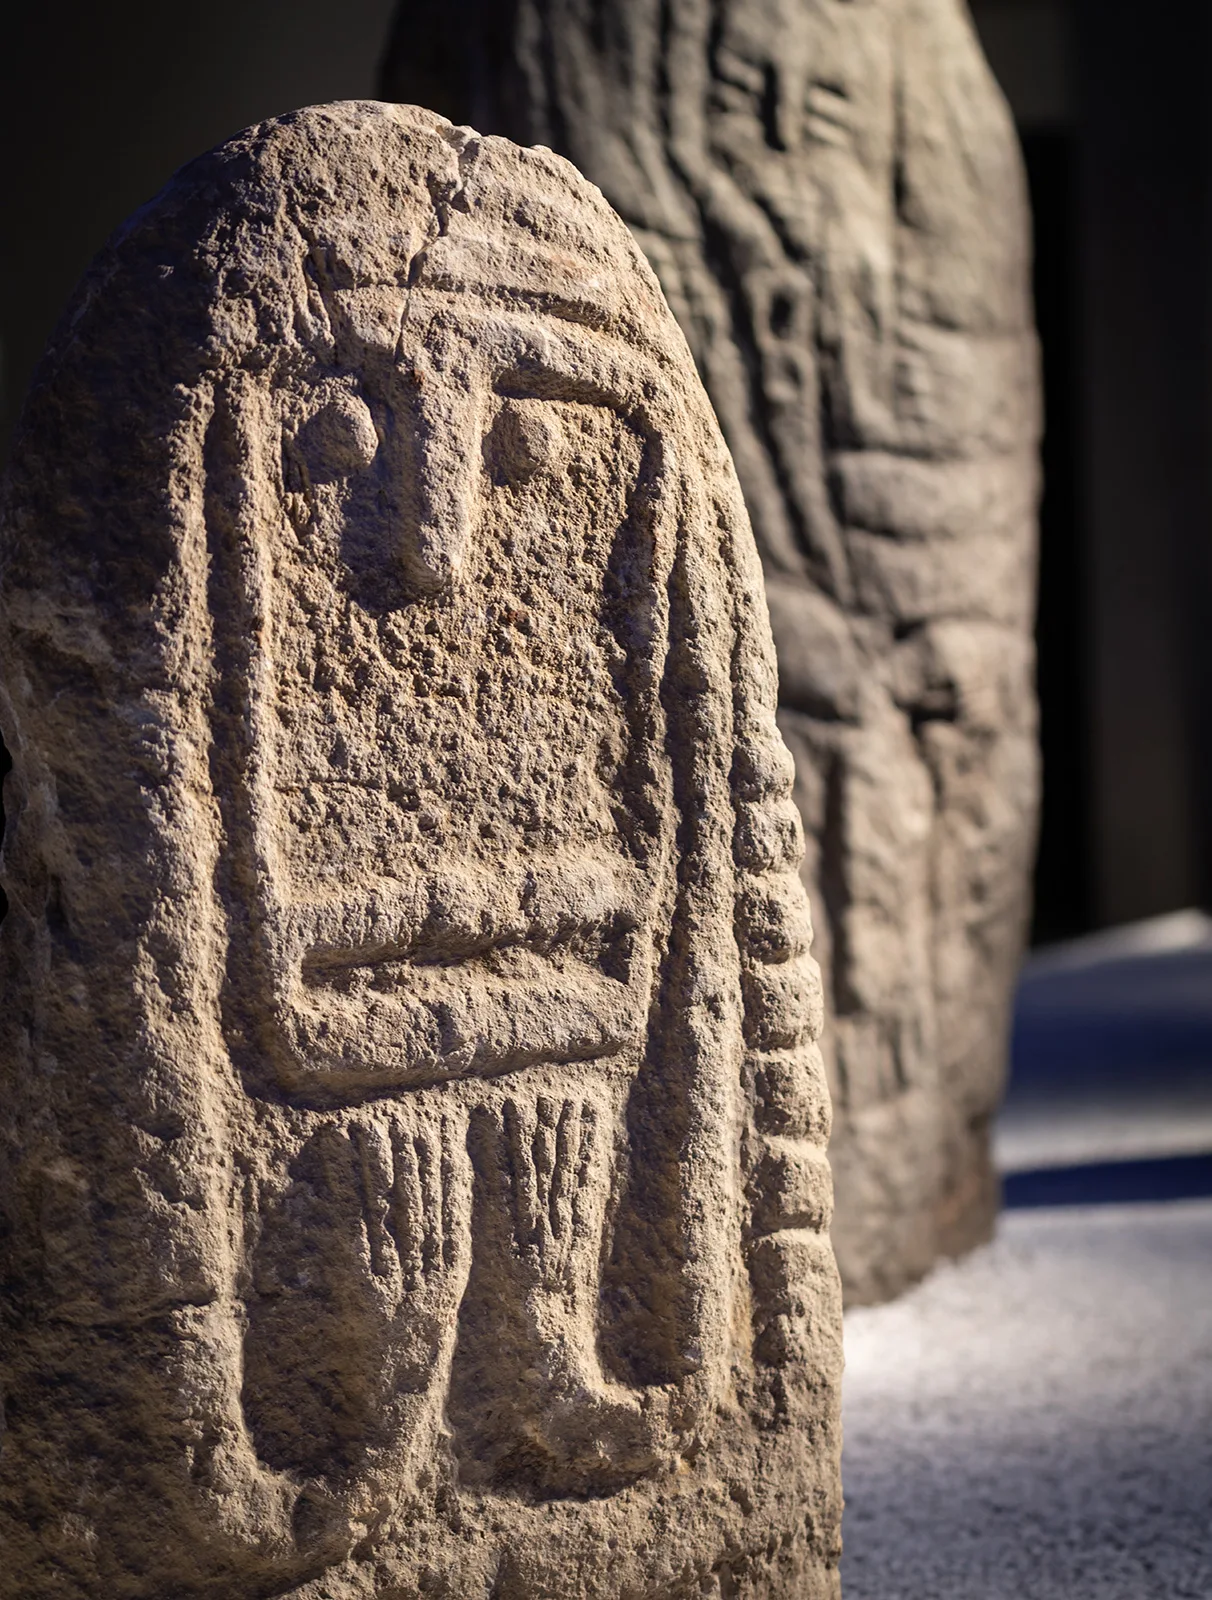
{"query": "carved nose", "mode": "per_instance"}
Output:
(440, 511)
(782, 123)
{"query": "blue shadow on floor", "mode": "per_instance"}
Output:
(1110, 1183)
(1136, 1020)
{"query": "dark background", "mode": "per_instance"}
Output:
(1114, 104)
(1113, 99)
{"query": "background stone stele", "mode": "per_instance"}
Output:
(830, 192)
(413, 1173)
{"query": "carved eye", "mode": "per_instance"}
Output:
(525, 438)
(339, 440)
(737, 84)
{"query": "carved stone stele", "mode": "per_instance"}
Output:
(413, 1176)
(831, 194)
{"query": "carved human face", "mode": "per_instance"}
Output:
(452, 871)
(798, 87)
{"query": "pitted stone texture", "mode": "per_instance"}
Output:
(831, 195)
(413, 1154)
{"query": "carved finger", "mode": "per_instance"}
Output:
(523, 1192)
(586, 1174)
(428, 1157)
(452, 1234)
(407, 1206)
(373, 1159)
(564, 1176)
(544, 1148)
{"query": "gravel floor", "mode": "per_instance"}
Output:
(1035, 1423)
